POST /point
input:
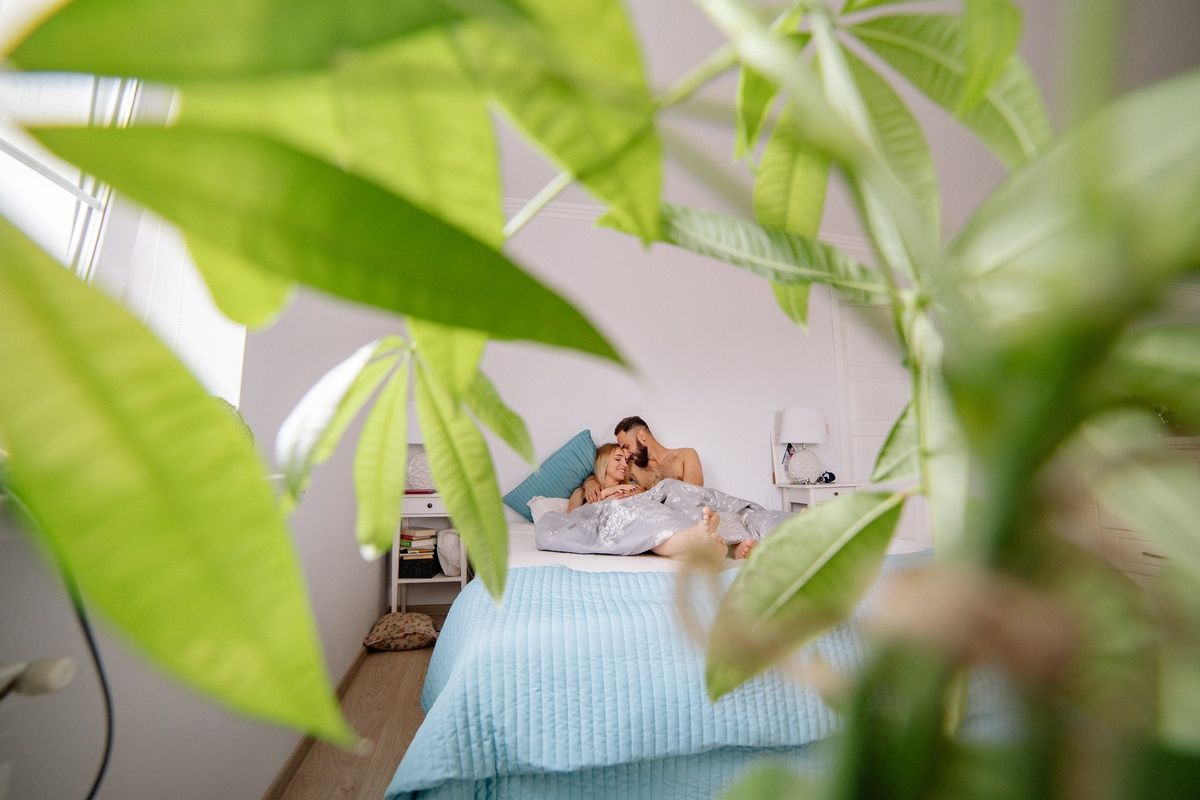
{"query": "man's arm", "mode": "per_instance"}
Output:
(692, 471)
(591, 488)
(576, 500)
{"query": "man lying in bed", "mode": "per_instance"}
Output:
(649, 460)
(670, 518)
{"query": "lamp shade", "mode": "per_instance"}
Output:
(802, 426)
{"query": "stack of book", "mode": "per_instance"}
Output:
(418, 553)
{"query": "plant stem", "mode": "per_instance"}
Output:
(720, 60)
(540, 200)
(696, 78)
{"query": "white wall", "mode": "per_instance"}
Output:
(712, 357)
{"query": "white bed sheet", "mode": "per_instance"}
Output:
(523, 552)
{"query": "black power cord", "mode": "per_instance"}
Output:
(101, 676)
(93, 648)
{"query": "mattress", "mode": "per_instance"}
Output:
(523, 552)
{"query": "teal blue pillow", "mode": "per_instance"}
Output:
(557, 476)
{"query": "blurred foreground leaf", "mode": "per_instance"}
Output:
(899, 457)
(929, 50)
(452, 353)
(1154, 771)
(314, 427)
(775, 255)
(900, 138)
(298, 217)
(463, 472)
(1161, 366)
(1129, 177)
(572, 81)
(401, 116)
(1155, 490)
(489, 408)
(381, 467)
(807, 575)
(184, 39)
(153, 498)
(243, 292)
(992, 30)
(771, 782)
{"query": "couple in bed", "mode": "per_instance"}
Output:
(666, 510)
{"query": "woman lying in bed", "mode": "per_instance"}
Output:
(669, 519)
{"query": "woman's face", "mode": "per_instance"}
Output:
(617, 467)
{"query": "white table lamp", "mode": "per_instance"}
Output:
(800, 427)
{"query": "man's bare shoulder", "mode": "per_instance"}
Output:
(681, 454)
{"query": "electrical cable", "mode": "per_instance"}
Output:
(101, 676)
(93, 648)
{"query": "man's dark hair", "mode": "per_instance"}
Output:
(629, 423)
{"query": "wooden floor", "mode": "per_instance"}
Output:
(382, 703)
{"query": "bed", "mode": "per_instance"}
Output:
(583, 683)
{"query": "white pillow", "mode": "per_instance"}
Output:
(539, 505)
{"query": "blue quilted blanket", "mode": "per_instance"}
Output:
(594, 674)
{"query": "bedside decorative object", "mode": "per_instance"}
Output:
(799, 427)
(420, 479)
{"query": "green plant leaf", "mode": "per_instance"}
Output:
(946, 457)
(900, 138)
(152, 496)
(900, 455)
(770, 781)
(489, 408)
(754, 95)
(789, 194)
(807, 575)
(295, 216)
(1161, 366)
(462, 469)
(875, 186)
(789, 190)
(313, 429)
(381, 467)
(187, 39)
(243, 292)
(929, 51)
(775, 255)
(842, 94)
(1159, 771)
(894, 743)
(578, 91)
(401, 115)
(755, 91)
(452, 353)
(793, 300)
(1118, 191)
(1155, 490)
(992, 29)
(859, 5)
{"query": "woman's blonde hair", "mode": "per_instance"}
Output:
(603, 455)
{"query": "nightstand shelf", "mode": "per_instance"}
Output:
(420, 507)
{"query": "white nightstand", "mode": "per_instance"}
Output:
(421, 506)
(812, 494)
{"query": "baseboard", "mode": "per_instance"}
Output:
(290, 767)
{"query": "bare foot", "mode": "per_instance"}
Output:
(711, 520)
(744, 548)
(700, 538)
